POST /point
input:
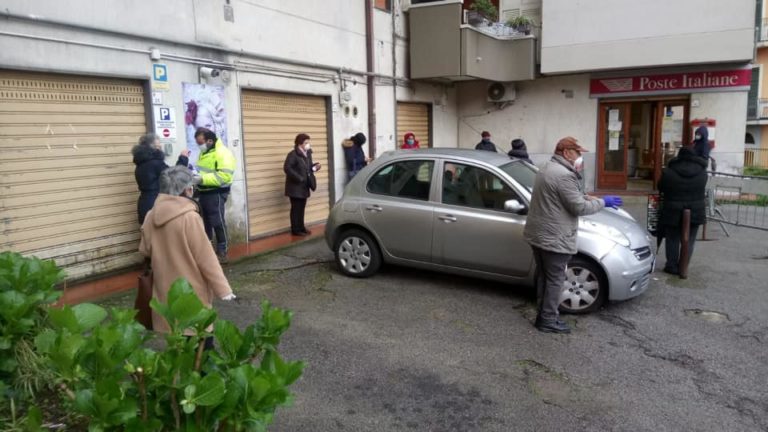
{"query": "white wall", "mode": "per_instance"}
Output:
(620, 34)
(730, 111)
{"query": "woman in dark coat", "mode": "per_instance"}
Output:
(682, 186)
(299, 179)
(150, 162)
(519, 150)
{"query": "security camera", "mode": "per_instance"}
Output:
(207, 72)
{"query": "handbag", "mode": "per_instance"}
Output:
(144, 296)
(312, 182)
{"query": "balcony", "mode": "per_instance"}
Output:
(443, 48)
(763, 37)
(757, 112)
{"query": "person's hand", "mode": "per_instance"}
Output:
(229, 297)
(613, 201)
(184, 153)
(316, 167)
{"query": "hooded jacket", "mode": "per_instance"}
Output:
(701, 145)
(556, 204)
(519, 151)
(174, 239)
(682, 185)
(150, 162)
(354, 154)
(405, 145)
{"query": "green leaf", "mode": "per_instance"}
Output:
(89, 315)
(229, 339)
(185, 308)
(64, 318)
(34, 420)
(212, 391)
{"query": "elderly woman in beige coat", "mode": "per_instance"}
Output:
(173, 237)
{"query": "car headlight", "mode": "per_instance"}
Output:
(604, 230)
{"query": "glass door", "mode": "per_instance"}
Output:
(612, 145)
(671, 132)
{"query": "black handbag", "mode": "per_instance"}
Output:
(312, 181)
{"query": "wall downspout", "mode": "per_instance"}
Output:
(369, 48)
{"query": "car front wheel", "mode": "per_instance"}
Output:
(357, 254)
(585, 288)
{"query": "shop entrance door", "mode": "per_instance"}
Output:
(671, 133)
(612, 145)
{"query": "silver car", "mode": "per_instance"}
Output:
(463, 212)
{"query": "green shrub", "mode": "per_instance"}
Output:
(755, 171)
(27, 287)
(109, 375)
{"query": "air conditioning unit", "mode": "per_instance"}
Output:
(501, 92)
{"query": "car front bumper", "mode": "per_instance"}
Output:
(628, 276)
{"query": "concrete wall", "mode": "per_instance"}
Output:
(729, 109)
(189, 33)
(621, 34)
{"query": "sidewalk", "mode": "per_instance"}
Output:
(107, 286)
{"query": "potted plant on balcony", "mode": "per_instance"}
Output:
(480, 9)
(521, 23)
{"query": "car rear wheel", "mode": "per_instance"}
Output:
(357, 254)
(585, 288)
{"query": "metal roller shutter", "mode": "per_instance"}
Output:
(66, 170)
(271, 122)
(413, 117)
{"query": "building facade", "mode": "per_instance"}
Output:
(630, 80)
(81, 80)
(756, 138)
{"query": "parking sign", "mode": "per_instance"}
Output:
(160, 77)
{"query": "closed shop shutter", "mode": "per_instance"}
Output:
(271, 122)
(413, 117)
(66, 170)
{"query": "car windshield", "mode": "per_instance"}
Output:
(523, 173)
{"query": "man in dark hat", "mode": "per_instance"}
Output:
(552, 225)
(485, 143)
(519, 151)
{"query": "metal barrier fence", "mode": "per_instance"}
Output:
(738, 200)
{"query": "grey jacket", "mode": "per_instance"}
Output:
(556, 204)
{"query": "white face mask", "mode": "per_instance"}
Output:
(579, 160)
(202, 148)
(307, 147)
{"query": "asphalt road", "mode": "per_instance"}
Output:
(409, 350)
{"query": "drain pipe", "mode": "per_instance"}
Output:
(370, 78)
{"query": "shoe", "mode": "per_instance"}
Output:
(307, 232)
(222, 257)
(671, 271)
(558, 326)
(299, 234)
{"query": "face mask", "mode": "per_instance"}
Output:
(579, 160)
(409, 141)
(697, 137)
(203, 148)
(307, 147)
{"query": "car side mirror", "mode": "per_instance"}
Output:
(514, 206)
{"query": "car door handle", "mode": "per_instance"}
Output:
(374, 208)
(447, 218)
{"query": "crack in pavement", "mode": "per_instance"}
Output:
(708, 383)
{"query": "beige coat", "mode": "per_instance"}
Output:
(174, 238)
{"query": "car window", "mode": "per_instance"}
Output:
(524, 174)
(407, 179)
(470, 186)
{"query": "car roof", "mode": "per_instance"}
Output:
(491, 158)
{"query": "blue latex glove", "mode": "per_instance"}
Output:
(613, 201)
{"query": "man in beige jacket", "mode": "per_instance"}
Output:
(173, 237)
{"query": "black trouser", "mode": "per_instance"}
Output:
(674, 237)
(549, 285)
(297, 215)
(212, 206)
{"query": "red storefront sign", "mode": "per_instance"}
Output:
(686, 82)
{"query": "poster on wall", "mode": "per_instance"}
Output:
(203, 107)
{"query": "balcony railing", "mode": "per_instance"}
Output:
(442, 47)
(756, 157)
(758, 110)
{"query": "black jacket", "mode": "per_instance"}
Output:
(682, 185)
(150, 162)
(298, 171)
(489, 146)
(701, 145)
(355, 157)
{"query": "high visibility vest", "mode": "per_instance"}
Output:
(217, 167)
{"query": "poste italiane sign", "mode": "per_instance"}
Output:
(684, 82)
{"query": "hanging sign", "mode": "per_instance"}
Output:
(688, 82)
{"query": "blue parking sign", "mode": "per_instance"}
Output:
(165, 114)
(160, 72)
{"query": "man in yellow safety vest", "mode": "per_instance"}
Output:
(216, 166)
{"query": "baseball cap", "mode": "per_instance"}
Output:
(569, 143)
